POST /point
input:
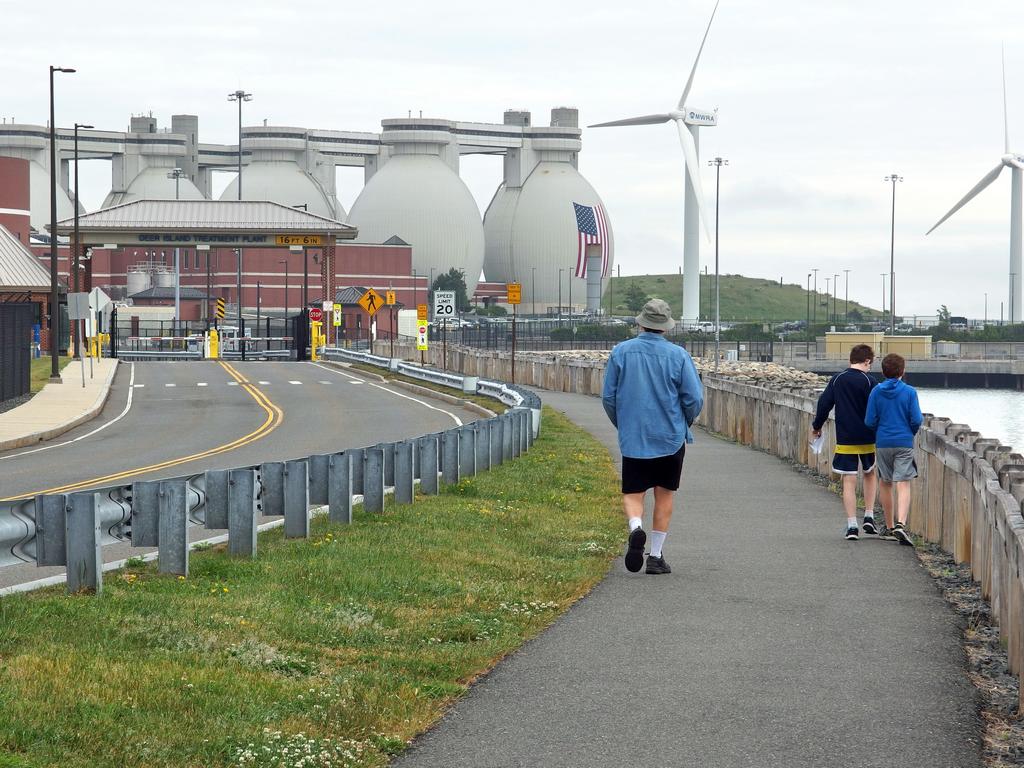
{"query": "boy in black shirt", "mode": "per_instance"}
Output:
(848, 393)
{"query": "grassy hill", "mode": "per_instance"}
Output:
(743, 298)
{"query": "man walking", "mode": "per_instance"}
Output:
(652, 395)
(848, 393)
(894, 411)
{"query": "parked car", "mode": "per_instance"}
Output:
(703, 326)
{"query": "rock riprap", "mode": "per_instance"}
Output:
(761, 374)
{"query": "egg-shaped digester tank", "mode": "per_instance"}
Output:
(154, 183)
(278, 171)
(419, 197)
(530, 225)
(39, 198)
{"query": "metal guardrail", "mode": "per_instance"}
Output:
(514, 397)
(70, 529)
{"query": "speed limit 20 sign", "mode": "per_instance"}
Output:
(444, 305)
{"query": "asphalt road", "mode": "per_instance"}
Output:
(186, 417)
(774, 642)
(178, 418)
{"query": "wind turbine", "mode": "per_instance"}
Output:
(688, 121)
(1015, 163)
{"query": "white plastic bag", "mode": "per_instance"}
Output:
(818, 443)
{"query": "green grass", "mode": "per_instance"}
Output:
(39, 374)
(350, 643)
(742, 298)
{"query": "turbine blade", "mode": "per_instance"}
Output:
(988, 179)
(693, 172)
(689, 83)
(644, 120)
(1006, 120)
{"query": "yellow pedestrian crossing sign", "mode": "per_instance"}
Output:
(371, 301)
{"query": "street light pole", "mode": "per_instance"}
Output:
(847, 311)
(718, 163)
(533, 289)
(892, 178)
(176, 174)
(986, 311)
(814, 302)
(808, 329)
(54, 298)
(305, 266)
(835, 298)
(77, 247)
(828, 293)
(239, 96)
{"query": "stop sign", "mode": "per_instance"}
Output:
(316, 314)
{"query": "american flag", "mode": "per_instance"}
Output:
(592, 229)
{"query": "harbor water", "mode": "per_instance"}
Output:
(997, 413)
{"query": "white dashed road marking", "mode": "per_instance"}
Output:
(294, 382)
(138, 386)
(264, 383)
(232, 383)
(325, 382)
(356, 381)
(201, 384)
(170, 384)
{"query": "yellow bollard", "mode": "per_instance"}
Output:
(315, 339)
(214, 344)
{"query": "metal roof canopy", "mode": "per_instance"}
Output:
(214, 223)
(20, 270)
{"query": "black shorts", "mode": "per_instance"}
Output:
(663, 471)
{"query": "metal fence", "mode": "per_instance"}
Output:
(70, 529)
(15, 349)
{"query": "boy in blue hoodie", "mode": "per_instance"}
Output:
(895, 415)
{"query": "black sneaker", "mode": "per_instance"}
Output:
(869, 526)
(657, 565)
(902, 536)
(635, 550)
(851, 533)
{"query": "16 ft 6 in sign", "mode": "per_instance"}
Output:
(444, 305)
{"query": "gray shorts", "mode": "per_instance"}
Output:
(895, 464)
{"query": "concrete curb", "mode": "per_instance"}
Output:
(415, 388)
(46, 434)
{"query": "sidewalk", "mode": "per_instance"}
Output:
(774, 643)
(58, 407)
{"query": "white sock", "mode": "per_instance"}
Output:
(657, 542)
(851, 522)
(869, 514)
(634, 523)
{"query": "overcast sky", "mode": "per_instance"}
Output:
(818, 101)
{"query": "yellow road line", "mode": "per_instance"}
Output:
(274, 418)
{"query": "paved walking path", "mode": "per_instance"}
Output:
(774, 643)
(58, 407)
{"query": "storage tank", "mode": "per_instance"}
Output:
(417, 196)
(153, 183)
(279, 170)
(39, 192)
(530, 225)
(138, 280)
(163, 278)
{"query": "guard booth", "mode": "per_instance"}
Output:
(234, 224)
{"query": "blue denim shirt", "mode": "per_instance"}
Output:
(652, 394)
